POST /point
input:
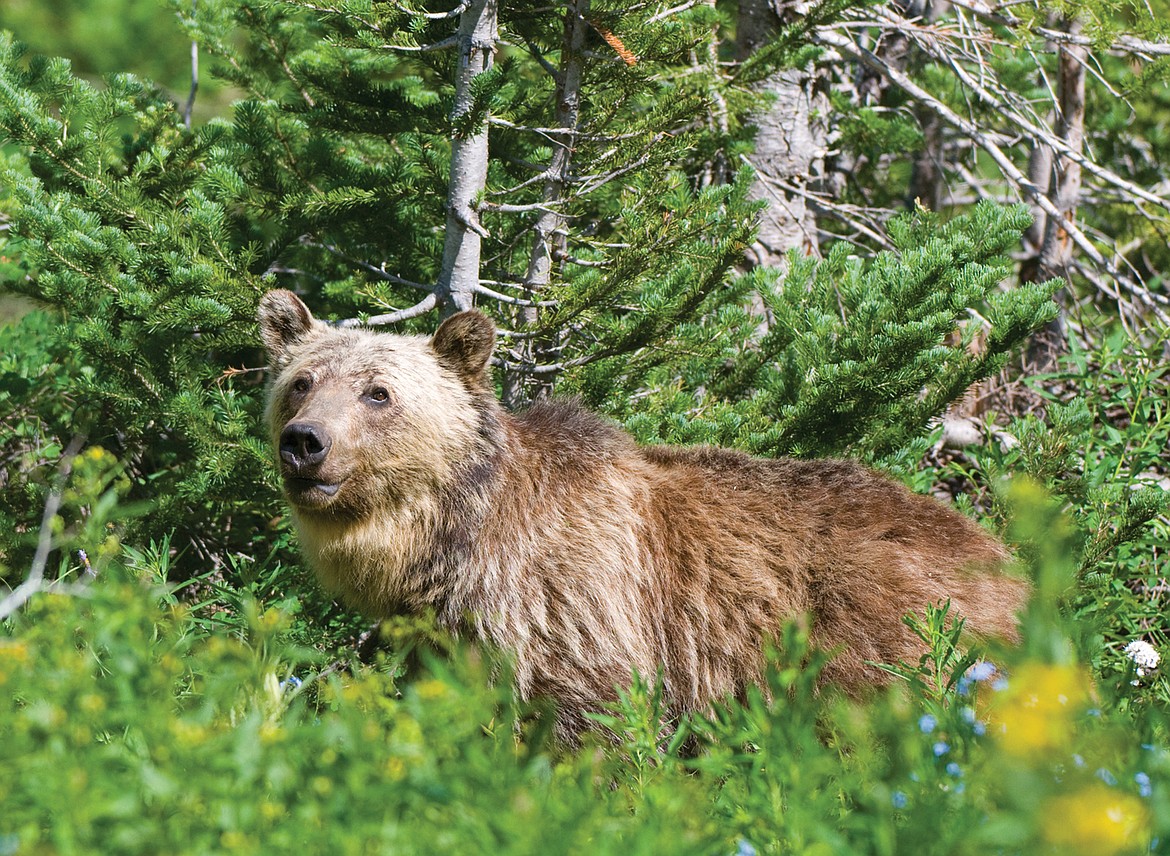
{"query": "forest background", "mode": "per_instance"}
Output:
(929, 235)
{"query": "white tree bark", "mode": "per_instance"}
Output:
(477, 37)
(791, 140)
(1056, 250)
(549, 230)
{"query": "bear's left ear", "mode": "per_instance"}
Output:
(464, 344)
(284, 320)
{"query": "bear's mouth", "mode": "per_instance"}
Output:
(311, 491)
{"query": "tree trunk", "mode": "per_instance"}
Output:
(1056, 250)
(790, 141)
(928, 180)
(548, 242)
(478, 33)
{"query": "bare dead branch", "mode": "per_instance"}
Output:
(421, 308)
(513, 301)
(444, 44)
(849, 214)
(674, 10)
(984, 140)
(507, 208)
(374, 270)
(433, 16)
(35, 583)
(1025, 124)
(1122, 44)
(190, 105)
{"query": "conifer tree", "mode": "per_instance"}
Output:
(606, 253)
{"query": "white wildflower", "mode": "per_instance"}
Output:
(1144, 656)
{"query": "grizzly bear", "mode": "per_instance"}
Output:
(551, 534)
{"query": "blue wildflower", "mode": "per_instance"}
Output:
(1143, 783)
(899, 799)
(979, 728)
(926, 723)
(745, 848)
(1106, 777)
(940, 748)
(953, 769)
(292, 682)
(1078, 760)
(982, 671)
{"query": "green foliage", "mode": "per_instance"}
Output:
(148, 245)
(145, 305)
(154, 709)
(1100, 447)
(143, 733)
(107, 36)
(855, 355)
(130, 725)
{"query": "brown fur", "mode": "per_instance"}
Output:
(553, 535)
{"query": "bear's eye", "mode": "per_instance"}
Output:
(378, 395)
(301, 384)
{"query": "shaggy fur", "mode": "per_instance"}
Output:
(553, 535)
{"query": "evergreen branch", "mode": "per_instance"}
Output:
(536, 54)
(600, 180)
(282, 59)
(341, 13)
(619, 47)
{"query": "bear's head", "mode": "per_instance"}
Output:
(362, 420)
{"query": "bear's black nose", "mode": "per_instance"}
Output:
(304, 444)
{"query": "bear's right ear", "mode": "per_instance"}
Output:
(464, 344)
(284, 320)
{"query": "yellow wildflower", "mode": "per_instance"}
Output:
(1096, 820)
(1034, 714)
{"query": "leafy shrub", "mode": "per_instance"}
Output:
(133, 725)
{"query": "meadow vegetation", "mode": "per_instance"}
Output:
(171, 678)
